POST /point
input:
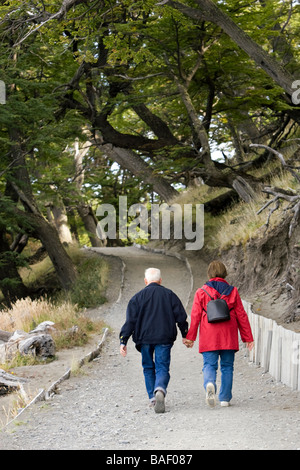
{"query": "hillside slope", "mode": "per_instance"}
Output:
(266, 271)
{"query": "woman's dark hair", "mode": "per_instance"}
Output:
(216, 269)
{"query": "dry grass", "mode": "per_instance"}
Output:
(20, 400)
(240, 223)
(25, 314)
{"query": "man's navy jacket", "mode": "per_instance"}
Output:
(152, 315)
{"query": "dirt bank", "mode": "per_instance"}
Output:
(266, 271)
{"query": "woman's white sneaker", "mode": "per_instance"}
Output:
(225, 403)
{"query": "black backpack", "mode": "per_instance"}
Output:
(217, 309)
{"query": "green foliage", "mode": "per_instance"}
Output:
(113, 58)
(89, 289)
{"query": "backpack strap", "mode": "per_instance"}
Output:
(207, 293)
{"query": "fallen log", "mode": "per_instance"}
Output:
(5, 335)
(9, 382)
(38, 345)
(37, 342)
(44, 327)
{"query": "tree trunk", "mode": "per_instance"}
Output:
(220, 203)
(244, 189)
(138, 167)
(9, 382)
(57, 216)
(37, 342)
(199, 131)
(90, 223)
(11, 283)
(5, 335)
(19, 243)
(32, 217)
(223, 176)
(85, 210)
(47, 234)
(62, 263)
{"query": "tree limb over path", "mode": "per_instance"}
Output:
(209, 11)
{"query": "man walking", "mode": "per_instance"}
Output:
(151, 318)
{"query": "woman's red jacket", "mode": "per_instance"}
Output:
(224, 335)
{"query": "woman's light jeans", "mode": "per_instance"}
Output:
(210, 367)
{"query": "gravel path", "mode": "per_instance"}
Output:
(107, 406)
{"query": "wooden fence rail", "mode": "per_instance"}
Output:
(277, 350)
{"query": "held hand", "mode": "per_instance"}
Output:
(123, 350)
(188, 342)
(250, 345)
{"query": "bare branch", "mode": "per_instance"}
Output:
(294, 206)
(195, 69)
(271, 212)
(65, 7)
(281, 158)
(126, 77)
(25, 199)
(282, 195)
(267, 204)
(296, 210)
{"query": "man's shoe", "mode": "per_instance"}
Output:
(152, 402)
(210, 395)
(159, 406)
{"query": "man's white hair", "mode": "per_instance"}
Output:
(152, 274)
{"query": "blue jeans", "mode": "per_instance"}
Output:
(210, 367)
(156, 372)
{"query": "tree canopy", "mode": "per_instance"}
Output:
(109, 98)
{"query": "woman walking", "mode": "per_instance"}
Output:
(220, 339)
